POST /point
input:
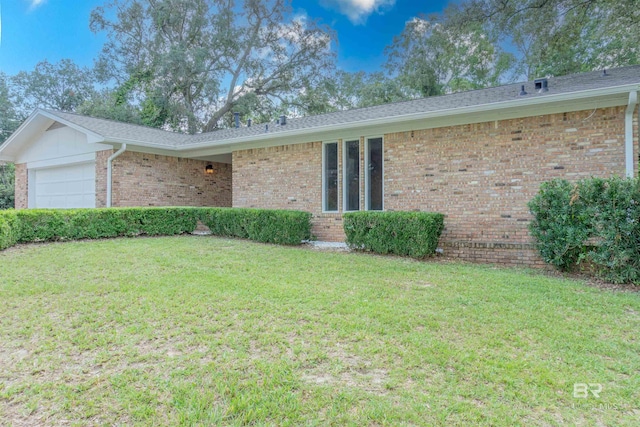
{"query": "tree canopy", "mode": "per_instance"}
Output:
(195, 60)
(61, 86)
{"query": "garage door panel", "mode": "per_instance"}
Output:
(70, 186)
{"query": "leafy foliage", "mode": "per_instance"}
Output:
(346, 90)
(559, 37)
(595, 220)
(431, 56)
(7, 180)
(262, 225)
(8, 229)
(559, 225)
(9, 117)
(44, 225)
(62, 86)
(414, 234)
(193, 60)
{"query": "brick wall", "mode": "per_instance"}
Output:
(141, 179)
(101, 177)
(285, 177)
(21, 187)
(481, 176)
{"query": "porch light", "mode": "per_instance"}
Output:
(208, 170)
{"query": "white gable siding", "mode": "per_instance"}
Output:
(59, 146)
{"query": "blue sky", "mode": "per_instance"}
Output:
(34, 30)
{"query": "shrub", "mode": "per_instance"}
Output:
(617, 227)
(595, 220)
(8, 229)
(415, 234)
(43, 225)
(262, 225)
(559, 226)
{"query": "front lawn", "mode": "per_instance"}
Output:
(202, 331)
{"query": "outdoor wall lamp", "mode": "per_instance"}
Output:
(208, 170)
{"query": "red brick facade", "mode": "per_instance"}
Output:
(141, 179)
(150, 180)
(21, 187)
(101, 177)
(481, 176)
(285, 177)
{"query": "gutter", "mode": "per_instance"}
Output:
(122, 149)
(423, 115)
(628, 134)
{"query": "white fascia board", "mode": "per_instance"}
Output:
(481, 108)
(11, 140)
(148, 144)
(92, 137)
(412, 122)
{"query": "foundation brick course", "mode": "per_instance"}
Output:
(481, 176)
(141, 179)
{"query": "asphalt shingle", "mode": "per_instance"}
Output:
(557, 85)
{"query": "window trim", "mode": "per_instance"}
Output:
(324, 176)
(344, 174)
(367, 173)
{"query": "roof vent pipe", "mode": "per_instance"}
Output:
(283, 120)
(248, 123)
(236, 119)
(542, 85)
(604, 73)
(522, 91)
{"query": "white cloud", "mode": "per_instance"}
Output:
(358, 10)
(36, 3)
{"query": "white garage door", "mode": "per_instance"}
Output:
(71, 186)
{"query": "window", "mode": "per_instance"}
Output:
(351, 169)
(330, 177)
(374, 194)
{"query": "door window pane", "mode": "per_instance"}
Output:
(374, 174)
(330, 172)
(352, 176)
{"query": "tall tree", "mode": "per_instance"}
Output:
(557, 37)
(61, 86)
(7, 184)
(432, 57)
(9, 117)
(346, 90)
(197, 59)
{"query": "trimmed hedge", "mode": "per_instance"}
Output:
(8, 229)
(262, 225)
(594, 220)
(414, 234)
(44, 225)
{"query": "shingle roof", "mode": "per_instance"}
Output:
(111, 129)
(557, 85)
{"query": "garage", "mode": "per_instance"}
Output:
(68, 186)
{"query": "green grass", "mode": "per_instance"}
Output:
(205, 331)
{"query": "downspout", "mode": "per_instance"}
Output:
(122, 149)
(628, 134)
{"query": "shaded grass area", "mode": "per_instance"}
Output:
(201, 330)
